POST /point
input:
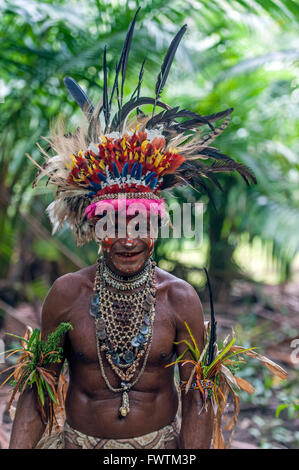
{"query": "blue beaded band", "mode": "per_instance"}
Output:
(205, 384)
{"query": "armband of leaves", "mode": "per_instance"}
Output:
(30, 369)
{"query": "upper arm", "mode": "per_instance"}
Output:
(55, 310)
(188, 309)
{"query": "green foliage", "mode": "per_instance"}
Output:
(30, 369)
(40, 353)
(293, 409)
(52, 343)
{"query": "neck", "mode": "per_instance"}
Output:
(117, 280)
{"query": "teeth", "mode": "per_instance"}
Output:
(128, 254)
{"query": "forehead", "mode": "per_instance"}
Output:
(118, 225)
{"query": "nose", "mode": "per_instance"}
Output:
(128, 242)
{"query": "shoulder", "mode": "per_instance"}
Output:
(64, 292)
(67, 283)
(183, 298)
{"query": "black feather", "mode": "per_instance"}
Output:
(106, 108)
(194, 121)
(231, 165)
(125, 54)
(197, 180)
(220, 115)
(79, 96)
(200, 168)
(191, 124)
(163, 117)
(138, 88)
(115, 84)
(169, 181)
(213, 153)
(128, 107)
(197, 120)
(192, 177)
(168, 59)
(136, 92)
(213, 336)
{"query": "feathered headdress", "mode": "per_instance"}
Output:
(110, 158)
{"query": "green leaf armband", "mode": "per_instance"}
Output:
(31, 370)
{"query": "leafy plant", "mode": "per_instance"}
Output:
(293, 409)
(31, 370)
(217, 380)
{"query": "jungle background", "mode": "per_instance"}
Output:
(241, 54)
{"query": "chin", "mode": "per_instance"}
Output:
(129, 264)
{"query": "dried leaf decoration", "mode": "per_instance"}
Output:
(217, 381)
(244, 385)
(31, 370)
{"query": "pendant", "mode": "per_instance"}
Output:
(124, 409)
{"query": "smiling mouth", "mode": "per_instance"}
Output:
(129, 255)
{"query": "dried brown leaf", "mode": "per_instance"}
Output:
(229, 376)
(245, 385)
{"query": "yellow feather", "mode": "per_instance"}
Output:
(158, 160)
(144, 145)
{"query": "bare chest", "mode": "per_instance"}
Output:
(82, 340)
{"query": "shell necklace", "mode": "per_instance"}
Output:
(124, 325)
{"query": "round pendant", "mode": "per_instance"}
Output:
(141, 338)
(135, 342)
(144, 329)
(115, 358)
(94, 305)
(101, 334)
(95, 301)
(129, 357)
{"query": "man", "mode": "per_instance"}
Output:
(126, 313)
(91, 408)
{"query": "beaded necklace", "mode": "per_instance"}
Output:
(124, 325)
(118, 282)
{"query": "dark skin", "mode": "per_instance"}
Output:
(90, 406)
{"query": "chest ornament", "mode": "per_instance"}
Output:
(124, 311)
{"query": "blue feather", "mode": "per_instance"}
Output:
(153, 183)
(149, 177)
(115, 170)
(133, 169)
(101, 176)
(95, 186)
(139, 172)
(125, 169)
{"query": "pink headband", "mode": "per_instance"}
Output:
(152, 206)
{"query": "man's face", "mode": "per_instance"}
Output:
(127, 255)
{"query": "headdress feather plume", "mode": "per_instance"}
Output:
(155, 152)
(162, 77)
